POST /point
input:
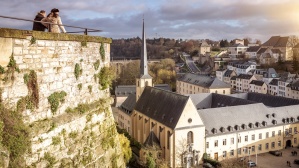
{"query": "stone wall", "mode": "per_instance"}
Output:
(78, 132)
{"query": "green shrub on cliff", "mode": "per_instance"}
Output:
(55, 99)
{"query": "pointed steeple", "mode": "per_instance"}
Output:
(143, 59)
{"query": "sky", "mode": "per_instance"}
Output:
(178, 19)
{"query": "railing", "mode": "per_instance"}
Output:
(86, 30)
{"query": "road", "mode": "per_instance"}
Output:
(190, 63)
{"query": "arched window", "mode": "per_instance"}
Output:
(190, 137)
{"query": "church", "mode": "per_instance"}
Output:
(220, 126)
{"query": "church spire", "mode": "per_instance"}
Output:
(143, 60)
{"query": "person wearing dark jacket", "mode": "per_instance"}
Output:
(37, 26)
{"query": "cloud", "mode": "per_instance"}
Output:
(188, 19)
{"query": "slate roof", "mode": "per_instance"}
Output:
(129, 104)
(262, 50)
(163, 86)
(203, 81)
(233, 78)
(270, 100)
(225, 117)
(219, 100)
(125, 90)
(270, 73)
(256, 82)
(272, 41)
(274, 82)
(253, 49)
(163, 106)
(228, 73)
(244, 76)
(152, 140)
(276, 51)
(238, 45)
(294, 85)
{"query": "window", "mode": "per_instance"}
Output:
(223, 91)
(286, 131)
(239, 139)
(232, 141)
(273, 145)
(216, 143)
(267, 134)
(260, 147)
(253, 137)
(239, 151)
(224, 142)
(207, 145)
(295, 140)
(224, 154)
(246, 138)
(267, 146)
(245, 150)
(168, 139)
(231, 152)
(253, 148)
(279, 132)
(290, 130)
(295, 130)
(260, 136)
(279, 143)
(273, 133)
(190, 137)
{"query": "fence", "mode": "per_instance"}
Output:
(85, 30)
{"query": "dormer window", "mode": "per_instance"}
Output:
(230, 128)
(274, 115)
(251, 125)
(244, 126)
(284, 120)
(237, 127)
(258, 124)
(264, 123)
(222, 129)
(292, 119)
(214, 130)
(274, 122)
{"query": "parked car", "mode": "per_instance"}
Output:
(251, 164)
(207, 165)
(275, 153)
(296, 161)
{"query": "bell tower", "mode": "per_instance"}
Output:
(144, 78)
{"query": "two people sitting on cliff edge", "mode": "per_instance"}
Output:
(52, 22)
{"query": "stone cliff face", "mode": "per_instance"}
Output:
(50, 84)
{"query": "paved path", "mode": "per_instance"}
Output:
(267, 160)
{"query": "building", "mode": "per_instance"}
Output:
(273, 87)
(258, 87)
(222, 126)
(243, 81)
(228, 75)
(241, 67)
(194, 83)
(251, 52)
(284, 44)
(283, 81)
(237, 51)
(292, 90)
(204, 48)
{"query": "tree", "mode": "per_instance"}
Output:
(150, 162)
(247, 40)
(224, 43)
(125, 147)
(295, 64)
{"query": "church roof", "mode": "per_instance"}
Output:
(163, 106)
(152, 140)
(129, 104)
